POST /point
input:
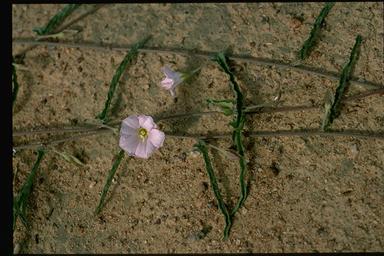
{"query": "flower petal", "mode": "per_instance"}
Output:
(167, 83)
(167, 71)
(150, 148)
(141, 150)
(129, 143)
(146, 122)
(175, 76)
(156, 138)
(127, 130)
(132, 121)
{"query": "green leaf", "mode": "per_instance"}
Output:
(201, 146)
(56, 20)
(131, 55)
(238, 125)
(61, 35)
(225, 105)
(328, 102)
(21, 200)
(69, 158)
(310, 42)
(345, 76)
(111, 173)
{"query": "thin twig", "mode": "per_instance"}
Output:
(283, 133)
(57, 141)
(158, 119)
(363, 95)
(97, 7)
(82, 16)
(90, 128)
(203, 54)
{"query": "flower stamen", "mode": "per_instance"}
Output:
(143, 133)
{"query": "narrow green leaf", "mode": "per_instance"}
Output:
(231, 154)
(115, 80)
(310, 42)
(238, 125)
(225, 105)
(69, 158)
(345, 76)
(56, 20)
(109, 180)
(15, 85)
(61, 35)
(21, 200)
(215, 187)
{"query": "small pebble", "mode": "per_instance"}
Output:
(16, 249)
(203, 187)
(194, 153)
(92, 184)
(199, 204)
(243, 210)
(354, 150)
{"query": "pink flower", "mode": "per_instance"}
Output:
(139, 136)
(171, 80)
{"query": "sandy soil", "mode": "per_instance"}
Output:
(326, 196)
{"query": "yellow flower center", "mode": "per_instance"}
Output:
(143, 133)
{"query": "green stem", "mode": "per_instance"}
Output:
(238, 125)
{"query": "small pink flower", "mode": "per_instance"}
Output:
(139, 136)
(171, 80)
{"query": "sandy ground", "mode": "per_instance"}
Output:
(326, 196)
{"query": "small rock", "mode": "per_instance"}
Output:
(354, 150)
(194, 153)
(275, 168)
(203, 187)
(146, 86)
(92, 184)
(16, 249)
(199, 204)
(243, 210)
(201, 234)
